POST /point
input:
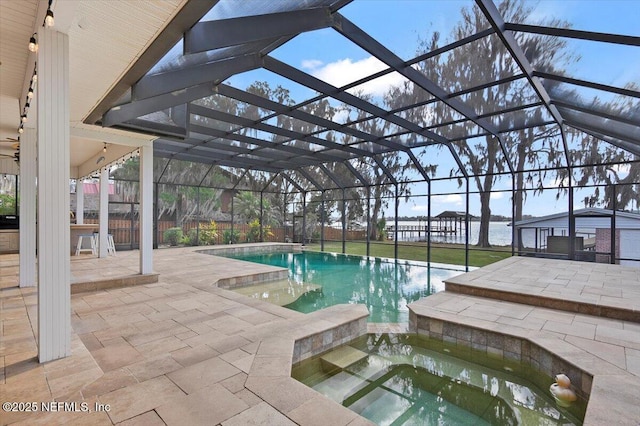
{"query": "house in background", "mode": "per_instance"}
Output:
(548, 236)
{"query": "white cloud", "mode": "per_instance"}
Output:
(345, 71)
(311, 64)
(341, 116)
(420, 208)
(497, 195)
(455, 199)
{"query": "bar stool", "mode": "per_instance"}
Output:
(111, 246)
(93, 248)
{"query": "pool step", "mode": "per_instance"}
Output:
(280, 292)
(341, 358)
(340, 386)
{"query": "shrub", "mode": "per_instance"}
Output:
(191, 238)
(173, 236)
(254, 232)
(230, 236)
(208, 234)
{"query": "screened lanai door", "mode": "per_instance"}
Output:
(124, 224)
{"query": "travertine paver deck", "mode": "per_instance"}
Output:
(181, 351)
(591, 288)
(8, 270)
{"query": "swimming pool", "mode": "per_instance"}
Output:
(412, 380)
(318, 280)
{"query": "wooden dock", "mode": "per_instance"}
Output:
(420, 230)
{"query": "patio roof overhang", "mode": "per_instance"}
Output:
(99, 54)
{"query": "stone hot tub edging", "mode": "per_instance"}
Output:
(315, 333)
(608, 388)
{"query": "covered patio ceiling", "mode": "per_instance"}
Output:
(179, 96)
(105, 38)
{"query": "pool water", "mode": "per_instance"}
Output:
(320, 280)
(410, 380)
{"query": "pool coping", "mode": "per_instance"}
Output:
(239, 280)
(250, 248)
(269, 376)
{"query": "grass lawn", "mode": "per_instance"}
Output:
(452, 254)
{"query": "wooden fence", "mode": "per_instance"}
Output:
(126, 235)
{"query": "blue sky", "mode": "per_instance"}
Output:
(399, 24)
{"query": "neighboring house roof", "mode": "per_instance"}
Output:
(94, 188)
(591, 212)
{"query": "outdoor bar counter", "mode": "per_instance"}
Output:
(77, 230)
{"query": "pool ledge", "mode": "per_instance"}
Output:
(611, 390)
(250, 248)
(255, 273)
(269, 376)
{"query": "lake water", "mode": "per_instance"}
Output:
(499, 233)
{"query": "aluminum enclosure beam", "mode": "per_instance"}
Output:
(416, 163)
(292, 182)
(304, 116)
(590, 111)
(385, 170)
(311, 179)
(212, 35)
(266, 144)
(132, 110)
(357, 174)
(368, 43)
(497, 22)
(247, 123)
(576, 34)
(620, 144)
(151, 127)
(371, 45)
(191, 13)
(332, 176)
(589, 84)
(305, 79)
(221, 162)
(632, 147)
(270, 181)
(610, 131)
(214, 72)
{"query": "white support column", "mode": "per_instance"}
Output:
(28, 172)
(146, 209)
(54, 291)
(104, 211)
(80, 201)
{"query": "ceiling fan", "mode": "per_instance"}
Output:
(15, 144)
(15, 156)
(10, 140)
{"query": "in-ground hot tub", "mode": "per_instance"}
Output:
(410, 379)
